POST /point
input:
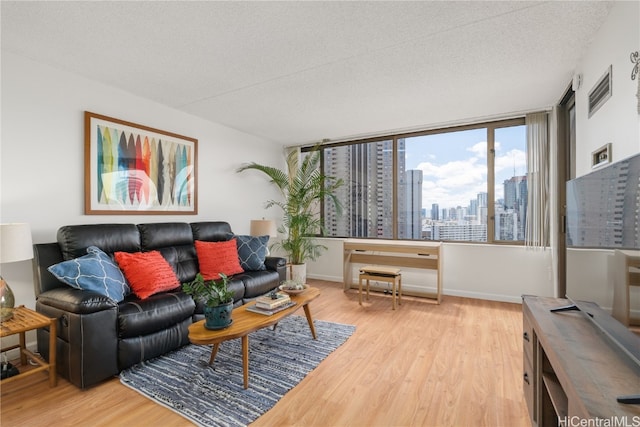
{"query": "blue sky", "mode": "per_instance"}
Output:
(454, 163)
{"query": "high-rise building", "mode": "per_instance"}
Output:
(435, 212)
(412, 227)
(367, 196)
(472, 214)
(469, 232)
(515, 201)
(482, 208)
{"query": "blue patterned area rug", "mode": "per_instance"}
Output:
(214, 395)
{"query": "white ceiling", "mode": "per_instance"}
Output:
(297, 72)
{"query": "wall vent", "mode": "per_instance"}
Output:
(600, 93)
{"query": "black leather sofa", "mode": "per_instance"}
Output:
(97, 337)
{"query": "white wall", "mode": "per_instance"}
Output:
(42, 163)
(494, 272)
(617, 121)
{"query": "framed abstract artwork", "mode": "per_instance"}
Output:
(134, 169)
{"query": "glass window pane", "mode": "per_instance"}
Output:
(443, 184)
(367, 193)
(510, 183)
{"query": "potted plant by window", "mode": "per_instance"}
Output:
(217, 299)
(303, 187)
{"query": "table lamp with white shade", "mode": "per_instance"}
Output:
(264, 227)
(15, 245)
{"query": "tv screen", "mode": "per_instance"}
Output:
(603, 207)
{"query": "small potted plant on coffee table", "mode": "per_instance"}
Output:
(217, 299)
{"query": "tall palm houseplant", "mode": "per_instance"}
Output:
(303, 187)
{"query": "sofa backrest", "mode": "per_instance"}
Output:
(75, 239)
(174, 240)
(212, 231)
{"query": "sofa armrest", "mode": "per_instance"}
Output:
(274, 262)
(76, 301)
(279, 264)
(87, 337)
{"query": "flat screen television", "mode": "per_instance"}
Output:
(603, 212)
(603, 207)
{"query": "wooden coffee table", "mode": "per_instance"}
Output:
(245, 322)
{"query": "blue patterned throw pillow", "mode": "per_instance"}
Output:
(94, 271)
(252, 251)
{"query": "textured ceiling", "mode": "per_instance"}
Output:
(297, 72)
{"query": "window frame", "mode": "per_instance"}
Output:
(490, 127)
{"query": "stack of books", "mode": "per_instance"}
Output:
(271, 303)
(272, 300)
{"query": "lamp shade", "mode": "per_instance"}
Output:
(264, 227)
(15, 242)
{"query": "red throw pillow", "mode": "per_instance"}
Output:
(218, 257)
(148, 273)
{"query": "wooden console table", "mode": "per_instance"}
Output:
(422, 255)
(573, 373)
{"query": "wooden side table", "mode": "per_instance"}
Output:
(25, 320)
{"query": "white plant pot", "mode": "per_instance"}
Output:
(297, 272)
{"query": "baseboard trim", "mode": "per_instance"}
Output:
(421, 291)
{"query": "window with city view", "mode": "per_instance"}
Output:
(465, 184)
(367, 193)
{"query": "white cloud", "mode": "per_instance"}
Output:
(453, 184)
(512, 159)
(479, 149)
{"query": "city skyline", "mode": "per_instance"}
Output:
(446, 170)
(454, 167)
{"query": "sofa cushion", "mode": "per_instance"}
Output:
(252, 252)
(258, 283)
(174, 240)
(211, 231)
(218, 257)
(134, 350)
(148, 273)
(163, 234)
(161, 311)
(94, 271)
(75, 239)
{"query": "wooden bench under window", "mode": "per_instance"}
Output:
(382, 274)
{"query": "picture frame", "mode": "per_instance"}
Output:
(601, 156)
(131, 169)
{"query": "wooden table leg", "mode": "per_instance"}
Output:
(53, 335)
(393, 295)
(245, 360)
(307, 312)
(359, 290)
(23, 345)
(214, 351)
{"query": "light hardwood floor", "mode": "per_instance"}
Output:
(454, 364)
